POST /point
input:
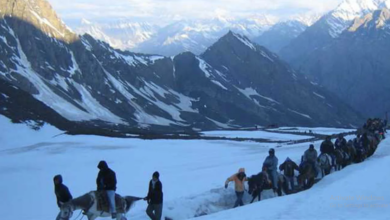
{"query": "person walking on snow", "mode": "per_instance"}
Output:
(106, 180)
(271, 163)
(288, 166)
(62, 192)
(239, 179)
(155, 198)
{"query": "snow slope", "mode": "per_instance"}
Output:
(192, 173)
(19, 135)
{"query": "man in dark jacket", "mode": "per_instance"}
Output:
(289, 166)
(327, 147)
(62, 192)
(106, 180)
(155, 198)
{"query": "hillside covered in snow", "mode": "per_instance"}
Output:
(192, 179)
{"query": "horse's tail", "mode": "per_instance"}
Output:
(130, 200)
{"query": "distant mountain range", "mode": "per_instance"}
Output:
(194, 35)
(234, 83)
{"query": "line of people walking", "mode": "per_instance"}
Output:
(288, 167)
(106, 181)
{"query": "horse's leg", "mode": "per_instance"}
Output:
(311, 182)
(259, 195)
(280, 185)
(280, 191)
(254, 195)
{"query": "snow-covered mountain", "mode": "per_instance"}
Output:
(122, 34)
(283, 32)
(233, 83)
(307, 19)
(343, 54)
(193, 35)
(197, 36)
(355, 65)
(280, 35)
(342, 17)
(176, 37)
(329, 27)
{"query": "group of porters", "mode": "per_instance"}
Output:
(105, 203)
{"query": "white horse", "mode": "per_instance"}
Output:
(88, 204)
(324, 162)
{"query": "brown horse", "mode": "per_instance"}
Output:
(373, 144)
(306, 176)
(340, 162)
(283, 185)
(351, 151)
(258, 183)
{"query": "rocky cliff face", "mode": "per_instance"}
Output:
(38, 13)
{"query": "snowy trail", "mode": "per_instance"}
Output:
(192, 173)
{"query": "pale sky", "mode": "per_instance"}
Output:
(71, 11)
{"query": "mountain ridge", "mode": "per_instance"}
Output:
(87, 80)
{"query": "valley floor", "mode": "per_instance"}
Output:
(192, 173)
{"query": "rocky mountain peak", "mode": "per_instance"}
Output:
(233, 38)
(40, 14)
(378, 19)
